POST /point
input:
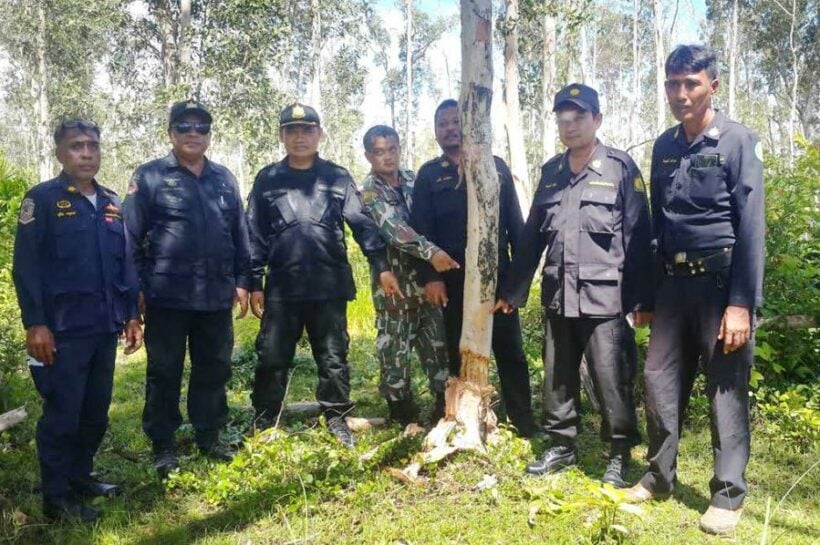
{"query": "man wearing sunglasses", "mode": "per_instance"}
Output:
(591, 214)
(77, 289)
(191, 250)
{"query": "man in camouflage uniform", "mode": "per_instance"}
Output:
(411, 321)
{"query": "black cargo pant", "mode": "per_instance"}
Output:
(282, 326)
(209, 338)
(688, 312)
(508, 349)
(606, 343)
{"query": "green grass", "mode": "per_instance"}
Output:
(299, 486)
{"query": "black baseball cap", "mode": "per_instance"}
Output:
(185, 107)
(581, 95)
(299, 114)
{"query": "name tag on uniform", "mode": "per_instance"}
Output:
(705, 160)
(602, 183)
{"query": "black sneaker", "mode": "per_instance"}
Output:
(616, 469)
(553, 460)
(165, 461)
(338, 427)
(92, 487)
(216, 451)
(69, 510)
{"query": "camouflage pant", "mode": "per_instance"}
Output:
(398, 333)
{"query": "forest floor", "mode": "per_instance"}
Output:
(298, 486)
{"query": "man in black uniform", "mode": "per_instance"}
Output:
(591, 211)
(708, 214)
(296, 214)
(77, 290)
(440, 214)
(185, 214)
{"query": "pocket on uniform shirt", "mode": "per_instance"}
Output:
(599, 290)
(706, 183)
(551, 288)
(597, 210)
(550, 204)
(75, 310)
(281, 213)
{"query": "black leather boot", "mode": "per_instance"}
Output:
(165, 460)
(615, 473)
(69, 510)
(91, 487)
(554, 459)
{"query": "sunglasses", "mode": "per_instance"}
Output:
(184, 127)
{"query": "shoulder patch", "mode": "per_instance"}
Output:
(639, 185)
(759, 151)
(26, 211)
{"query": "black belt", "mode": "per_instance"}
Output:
(699, 262)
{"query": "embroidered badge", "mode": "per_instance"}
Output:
(639, 185)
(298, 112)
(26, 211)
(63, 204)
(575, 91)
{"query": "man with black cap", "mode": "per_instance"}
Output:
(440, 214)
(709, 223)
(591, 212)
(296, 214)
(185, 215)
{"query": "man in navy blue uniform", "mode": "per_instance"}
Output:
(708, 215)
(77, 291)
(185, 214)
(591, 212)
(440, 215)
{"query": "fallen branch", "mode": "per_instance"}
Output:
(794, 321)
(12, 418)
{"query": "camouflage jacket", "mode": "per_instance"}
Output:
(389, 207)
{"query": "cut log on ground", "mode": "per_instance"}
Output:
(12, 418)
(469, 420)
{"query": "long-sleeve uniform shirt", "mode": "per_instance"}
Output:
(71, 267)
(296, 220)
(407, 250)
(439, 213)
(596, 227)
(191, 238)
(708, 195)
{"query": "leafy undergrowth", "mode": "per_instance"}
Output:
(296, 485)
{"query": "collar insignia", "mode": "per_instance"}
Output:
(714, 132)
(71, 189)
(596, 163)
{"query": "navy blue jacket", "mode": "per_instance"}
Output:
(296, 220)
(596, 227)
(191, 238)
(72, 269)
(708, 194)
